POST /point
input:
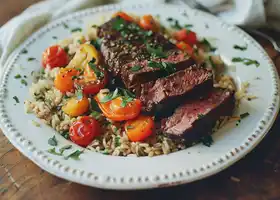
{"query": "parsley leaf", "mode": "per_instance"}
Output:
(208, 45)
(24, 82)
(24, 51)
(76, 30)
(110, 96)
(54, 37)
(117, 141)
(17, 76)
(65, 134)
(242, 116)
(66, 147)
(242, 48)
(95, 114)
(52, 141)
(246, 61)
(53, 151)
(96, 43)
(65, 25)
(199, 116)
(30, 59)
(75, 155)
(98, 73)
(16, 99)
(156, 52)
(207, 140)
(119, 23)
(135, 68)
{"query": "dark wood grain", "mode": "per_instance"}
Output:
(255, 177)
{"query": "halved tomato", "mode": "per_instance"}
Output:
(187, 36)
(64, 80)
(54, 56)
(116, 110)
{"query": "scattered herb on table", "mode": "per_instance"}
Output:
(246, 61)
(98, 73)
(53, 151)
(66, 147)
(207, 140)
(242, 48)
(16, 99)
(208, 45)
(24, 82)
(126, 100)
(24, 51)
(76, 30)
(52, 141)
(243, 115)
(17, 76)
(75, 155)
(135, 68)
(168, 67)
(30, 59)
(156, 52)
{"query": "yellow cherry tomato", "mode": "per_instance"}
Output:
(75, 107)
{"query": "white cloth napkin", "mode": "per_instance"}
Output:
(249, 12)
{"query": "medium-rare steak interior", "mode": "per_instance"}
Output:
(170, 91)
(196, 118)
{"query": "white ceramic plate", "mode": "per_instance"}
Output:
(197, 162)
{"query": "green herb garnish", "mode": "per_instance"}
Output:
(242, 116)
(96, 114)
(76, 30)
(96, 43)
(119, 23)
(156, 52)
(30, 59)
(110, 96)
(65, 135)
(75, 155)
(135, 68)
(24, 51)
(79, 94)
(66, 147)
(97, 72)
(24, 82)
(54, 37)
(199, 116)
(187, 26)
(117, 141)
(105, 152)
(212, 63)
(74, 77)
(206, 43)
(207, 140)
(65, 25)
(94, 26)
(126, 100)
(16, 99)
(242, 48)
(168, 67)
(246, 61)
(17, 76)
(52, 141)
(53, 151)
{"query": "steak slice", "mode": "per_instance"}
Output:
(169, 92)
(196, 118)
(122, 51)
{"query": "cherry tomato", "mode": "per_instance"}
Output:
(54, 56)
(140, 128)
(124, 16)
(64, 80)
(90, 83)
(186, 36)
(185, 47)
(115, 111)
(75, 107)
(147, 22)
(84, 130)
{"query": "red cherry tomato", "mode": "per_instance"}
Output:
(54, 56)
(90, 83)
(186, 36)
(185, 47)
(147, 22)
(84, 130)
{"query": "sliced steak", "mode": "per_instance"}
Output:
(168, 92)
(196, 118)
(122, 51)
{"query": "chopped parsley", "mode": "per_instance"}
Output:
(126, 100)
(119, 23)
(95, 114)
(65, 25)
(96, 43)
(117, 141)
(76, 30)
(243, 115)
(212, 63)
(187, 26)
(54, 37)
(105, 152)
(17, 76)
(53, 151)
(110, 96)
(208, 45)
(24, 51)
(199, 116)
(65, 135)
(156, 52)
(30, 59)
(97, 72)
(168, 67)
(207, 140)
(94, 26)
(74, 77)
(75, 155)
(66, 147)
(135, 68)
(16, 99)
(35, 123)
(52, 141)
(246, 61)
(94, 106)
(126, 95)
(242, 48)
(24, 82)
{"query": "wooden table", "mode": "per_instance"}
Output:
(255, 177)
